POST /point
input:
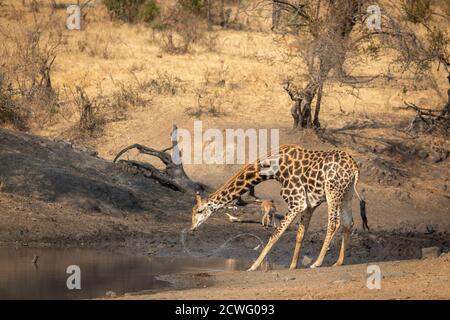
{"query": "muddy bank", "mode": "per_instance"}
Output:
(55, 194)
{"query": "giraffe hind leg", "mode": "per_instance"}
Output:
(302, 228)
(334, 200)
(333, 226)
(346, 224)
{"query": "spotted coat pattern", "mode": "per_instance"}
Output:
(308, 178)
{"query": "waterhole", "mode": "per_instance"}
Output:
(28, 273)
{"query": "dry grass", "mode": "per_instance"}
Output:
(234, 74)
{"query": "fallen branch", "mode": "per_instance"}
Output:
(173, 176)
(428, 120)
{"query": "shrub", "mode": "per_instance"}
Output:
(417, 11)
(11, 113)
(91, 122)
(132, 10)
(26, 86)
(179, 30)
(149, 11)
(194, 6)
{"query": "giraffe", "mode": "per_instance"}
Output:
(307, 178)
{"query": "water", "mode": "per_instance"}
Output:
(101, 271)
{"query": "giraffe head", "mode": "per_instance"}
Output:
(200, 212)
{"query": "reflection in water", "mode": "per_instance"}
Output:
(101, 271)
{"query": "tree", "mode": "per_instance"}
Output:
(334, 33)
(327, 26)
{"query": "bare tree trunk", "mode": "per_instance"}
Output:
(275, 15)
(306, 114)
(318, 102)
(208, 12)
(222, 13)
(296, 112)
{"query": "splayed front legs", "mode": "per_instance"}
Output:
(290, 216)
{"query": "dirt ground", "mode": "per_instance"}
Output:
(39, 206)
(426, 279)
(57, 189)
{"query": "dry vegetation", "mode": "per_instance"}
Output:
(129, 75)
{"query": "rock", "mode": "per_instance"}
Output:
(422, 154)
(363, 149)
(436, 157)
(403, 195)
(431, 252)
(83, 149)
(110, 294)
(430, 229)
(289, 279)
(343, 281)
(306, 261)
(378, 149)
(445, 256)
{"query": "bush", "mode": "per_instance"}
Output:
(417, 11)
(26, 90)
(179, 30)
(132, 10)
(194, 6)
(149, 11)
(11, 113)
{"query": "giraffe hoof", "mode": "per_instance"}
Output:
(313, 266)
(337, 264)
(252, 268)
(292, 267)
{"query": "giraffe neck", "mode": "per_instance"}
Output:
(241, 182)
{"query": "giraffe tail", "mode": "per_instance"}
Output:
(362, 203)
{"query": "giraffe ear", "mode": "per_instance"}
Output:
(198, 198)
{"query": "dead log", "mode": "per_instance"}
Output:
(173, 175)
(430, 120)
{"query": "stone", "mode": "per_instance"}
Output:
(430, 229)
(306, 261)
(436, 157)
(422, 154)
(431, 252)
(403, 195)
(110, 294)
(339, 282)
(363, 149)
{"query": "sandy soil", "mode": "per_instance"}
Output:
(426, 279)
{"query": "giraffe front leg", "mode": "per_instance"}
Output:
(302, 228)
(274, 238)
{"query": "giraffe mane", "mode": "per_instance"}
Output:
(232, 179)
(229, 182)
